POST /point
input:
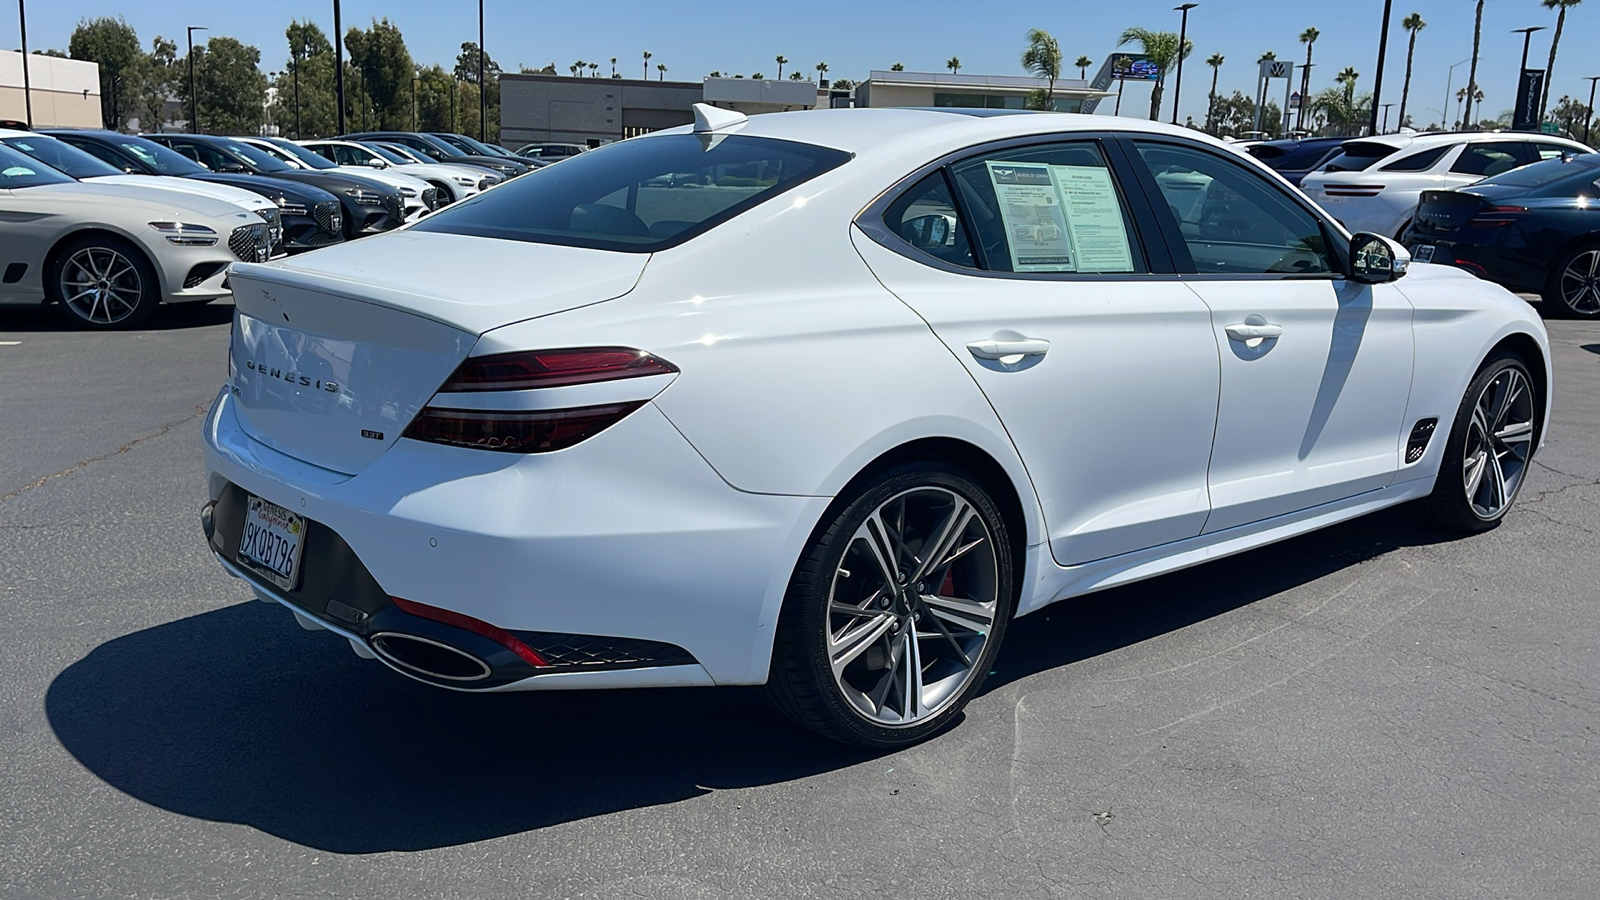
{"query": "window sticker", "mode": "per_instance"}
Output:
(1061, 218)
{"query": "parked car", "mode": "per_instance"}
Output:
(677, 458)
(471, 146)
(418, 196)
(443, 152)
(1295, 158)
(1374, 183)
(1535, 229)
(367, 207)
(550, 152)
(109, 254)
(65, 158)
(309, 216)
(451, 182)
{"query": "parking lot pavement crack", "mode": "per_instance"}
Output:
(199, 411)
(1582, 478)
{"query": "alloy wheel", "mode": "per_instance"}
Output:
(912, 606)
(1580, 283)
(1499, 442)
(101, 286)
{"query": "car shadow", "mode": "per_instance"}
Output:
(239, 716)
(168, 318)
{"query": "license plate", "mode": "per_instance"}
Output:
(1423, 253)
(271, 541)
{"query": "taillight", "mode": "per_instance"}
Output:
(553, 368)
(516, 431)
(1495, 216)
(477, 626)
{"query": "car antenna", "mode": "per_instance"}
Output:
(712, 118)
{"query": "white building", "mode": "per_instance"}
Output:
(885, 88)
(65, 92)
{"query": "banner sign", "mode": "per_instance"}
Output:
(1530, 88)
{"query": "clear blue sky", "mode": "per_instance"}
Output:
(693, 39)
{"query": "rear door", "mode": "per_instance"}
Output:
(1027, 262)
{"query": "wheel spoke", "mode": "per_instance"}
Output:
(1497, 484)
(1520, 433)
(937, 550)
(844, 648)
(945, 633)
(1474, 474)
(973, 615)
(911, 681)
(875, 535)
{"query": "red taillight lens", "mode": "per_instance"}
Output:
(553, 368)
(477, 626)
(1495, 216)
(516, 431)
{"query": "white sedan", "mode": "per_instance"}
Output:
(418, 196)
(823, 400)
(453, 182)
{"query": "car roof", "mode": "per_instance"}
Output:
(1435, 138)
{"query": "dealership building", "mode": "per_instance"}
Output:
(594, 111)
(65, 92)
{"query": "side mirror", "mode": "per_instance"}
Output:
(930, 232)
(1375, 259)
(377, 163)
(234, 169)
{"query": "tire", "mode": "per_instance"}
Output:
(1490, 447)
(1573, 289)
(908, 660)
(104, 283)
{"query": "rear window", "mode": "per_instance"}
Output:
(1579, 169)
(1356, 156)
(1417, 162)
(639, 195)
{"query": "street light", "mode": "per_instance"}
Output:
(338, 65)
(194, 114)
(1589, 119)
(1386, 117)
(483, 86)
(1183, 32)
(295, 53)
(1447, 80)
(27, 86)
(1527, 35)
(1377, 83)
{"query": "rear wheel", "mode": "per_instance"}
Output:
(896, 611)
(103, 282)
(1574, 286)
(1491, 446)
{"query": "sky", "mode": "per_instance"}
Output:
(743, 37)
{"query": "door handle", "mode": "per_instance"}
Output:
(1002, 349)
(1251, 331)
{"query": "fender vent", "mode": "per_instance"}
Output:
(1417, 445)
(14, 273)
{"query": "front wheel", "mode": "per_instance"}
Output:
(104, 283)
(1491, 446)
(1574, 286)
(896, 611)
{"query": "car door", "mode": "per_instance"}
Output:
(1316, 369)
(1026, 262)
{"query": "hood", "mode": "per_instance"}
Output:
(271, 188)
(383, 176)
(223, 192)
(156, 201)
(458, 280)
(335, 182)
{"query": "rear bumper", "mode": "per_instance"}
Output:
(1515, 268)
(630, 536)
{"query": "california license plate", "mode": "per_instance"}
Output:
(1423, 253)
(271, 542)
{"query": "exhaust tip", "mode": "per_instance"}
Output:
(429, 657)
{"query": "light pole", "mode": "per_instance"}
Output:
(413, 103)
(1527, 35)
(1183, 33)
(297, 132)
(1447, 80)
(194, 111)
(27, 86)
(483, 86)
(1377, 83)
(1589, 119)
(338, 64)
(1386, 117)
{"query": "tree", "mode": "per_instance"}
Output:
(714, 73)
(796, 76)
(1413, 24)
(1339, 107)
(386, 68)
(842, 84)
(1083, 63)
(1309, 38)
(1575, 116)
(1347, 77)
(1215, 61)
(1550, 68)
(1161, 48)
(435, 112)
(230, 91)
(1043, 58)
(954, 65)
(822, 69)
(898, 67)
(113, 45)
(782, 61)
(1472, 71)
(758, 76)
(594, 70)
(160, 82)
(1267, 57)
(647, 55)
(613, 67)
(466, 72)
(1237, 114)
(661, 71)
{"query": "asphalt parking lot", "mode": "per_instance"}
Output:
(1369, 711)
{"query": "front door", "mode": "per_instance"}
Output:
(1027, 264)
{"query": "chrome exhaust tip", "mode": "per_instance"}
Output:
(429, 658)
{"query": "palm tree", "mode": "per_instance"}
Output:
(613, 67)
(1215, 62)
(1309, 38)
(898, 67)
(1267, 57)
(647, 55)
(1549, 70)
(1083, 63)
(1043, 58)
(573, 69)
(1472, 70)
(1412, 23)
(1347, 77)
(577, 68)
(661, 69)
(796, 76)
(714, 73)
(1461, 95)
(594, 68)
(758, 76)
(954, 65)
(1161, 47)
(782, 61)
(822, 69)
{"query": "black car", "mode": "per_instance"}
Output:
(443, 151)
(309, 216)
(1294, 159)
(368, 207)
(1534, 229)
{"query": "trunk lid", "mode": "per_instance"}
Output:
(333, 353)
(1445, 212)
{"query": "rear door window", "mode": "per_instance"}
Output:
(1421, 161)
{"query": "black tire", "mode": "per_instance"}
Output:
(129, 296)
(1451, 504)
(1557, 304)
(801, 683)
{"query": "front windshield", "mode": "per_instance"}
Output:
(254, 156)
(310, 158)
(458, 144)
(639, 195)
(61, 156)
(1581, 169)
(160, 157)
(415, 156)
(388, 154)
(19, 170)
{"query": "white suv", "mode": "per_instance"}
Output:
(1374, 184)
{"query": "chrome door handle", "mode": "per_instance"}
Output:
(1253, 332)
(1002, 349)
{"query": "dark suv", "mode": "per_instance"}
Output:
(443, 151)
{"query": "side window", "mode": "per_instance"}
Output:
(1489, 158)
(1047, 208)
(1553, 151)
(344, 156)
(926, 218)
(101, 152)
(1232, 219)
(1416, 162)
